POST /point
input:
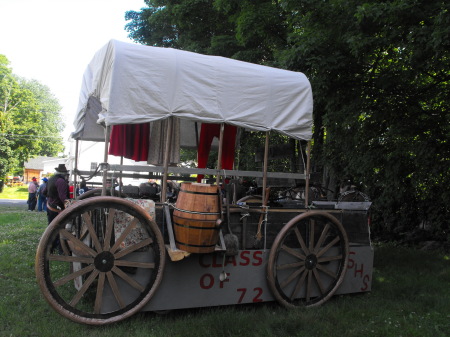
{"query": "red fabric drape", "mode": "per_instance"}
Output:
(207, 134)
(130, 141)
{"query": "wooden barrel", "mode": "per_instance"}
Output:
(195, 218)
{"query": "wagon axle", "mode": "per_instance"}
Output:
(311, 261)
(104, 261)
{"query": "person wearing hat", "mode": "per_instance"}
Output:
(42, 199)
(32, 190)
(57, 192)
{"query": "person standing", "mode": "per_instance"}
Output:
(42, 199)
(32, 190)
(57, 192)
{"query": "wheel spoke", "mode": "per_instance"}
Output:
(299, 285)
(128, 279)
(132, 248)
(291, 277)
(329, 258)
(88, 221)
(293, 252)
(308, 286)
(109, 228)
(123, 236)
(115, 289)
(290, 265)
(125, 263)
(74, 275)
(99, 295)
(84, 230)
(326, 271)
(64, 258)
(64, 246)
(300, 240)
(319, 281)
(84, 288)
(322, 238)
(311, 234)
(328, 246)
(76, 242)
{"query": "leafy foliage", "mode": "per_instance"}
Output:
(30, 123)
(381, 88)
(380, 74)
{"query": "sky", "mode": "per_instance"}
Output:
(52, 41)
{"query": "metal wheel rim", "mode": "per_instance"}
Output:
(307, 272)
(55, 272)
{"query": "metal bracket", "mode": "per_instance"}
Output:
(169, 227)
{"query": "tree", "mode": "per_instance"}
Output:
(187, 25)
(50, 123)
(7, 86)
(245, 30)
(380, 75)
(30, 122)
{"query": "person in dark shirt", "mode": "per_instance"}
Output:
(57, 192)
(42, 199)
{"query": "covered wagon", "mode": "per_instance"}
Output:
(205, 245)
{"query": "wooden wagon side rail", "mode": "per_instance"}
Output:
(189, 171)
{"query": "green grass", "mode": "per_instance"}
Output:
(14, 192)
(410, 297)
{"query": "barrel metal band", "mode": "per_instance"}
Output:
(204, 193)
(193, 212)
(215, 228)
(191, 245)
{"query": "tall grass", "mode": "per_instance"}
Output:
(410, 297)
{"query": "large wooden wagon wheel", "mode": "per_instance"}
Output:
(308, 260)
(112, 263)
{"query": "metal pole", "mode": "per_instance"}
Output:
(219, 159)
(166, 159)
(265, 192)
(75, 170)
(105, 159)
(120, 178)
(308, 163)
(266, 162)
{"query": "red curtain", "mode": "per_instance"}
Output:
(130, 141)
(207, 134)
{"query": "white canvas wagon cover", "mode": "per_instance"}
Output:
(127, 83)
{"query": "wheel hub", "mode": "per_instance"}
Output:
(104, 261)
(311, 261)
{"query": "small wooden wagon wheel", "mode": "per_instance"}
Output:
(112, 263)
(308, 260)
